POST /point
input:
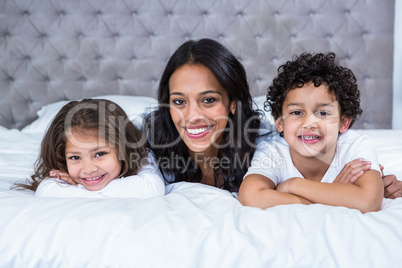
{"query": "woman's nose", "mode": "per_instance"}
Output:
(193, 113)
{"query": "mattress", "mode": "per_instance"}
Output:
(193, 225)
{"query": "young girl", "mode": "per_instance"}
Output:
(92, 149)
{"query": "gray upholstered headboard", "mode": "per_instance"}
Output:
(53, 50)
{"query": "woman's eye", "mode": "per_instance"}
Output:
(209, 100)
(74, 157)
(178, 102)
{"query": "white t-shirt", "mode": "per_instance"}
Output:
(272, 157)
(148, 182)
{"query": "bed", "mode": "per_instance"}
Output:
(54, 51)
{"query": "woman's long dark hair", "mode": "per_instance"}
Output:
(241, 132)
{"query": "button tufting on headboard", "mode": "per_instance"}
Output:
(55, 50)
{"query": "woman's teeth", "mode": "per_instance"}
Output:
(196, 131)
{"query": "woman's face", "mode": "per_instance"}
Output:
(199, 107)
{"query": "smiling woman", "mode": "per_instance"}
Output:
(199, 107)
(205, 128)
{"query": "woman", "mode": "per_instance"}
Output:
(205, 127)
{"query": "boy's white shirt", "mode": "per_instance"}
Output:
(148, 182)
(272, 157)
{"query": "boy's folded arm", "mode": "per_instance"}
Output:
(365, 194)
(259, 191)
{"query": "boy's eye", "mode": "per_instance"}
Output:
(296, 113)
(323, 113)
(209, 100)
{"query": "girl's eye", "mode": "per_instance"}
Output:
(209, 100)
(74, 157)
(99, 154)
(178, 102)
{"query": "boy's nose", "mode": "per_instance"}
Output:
(311, 121)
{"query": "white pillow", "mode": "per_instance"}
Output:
(134, 106)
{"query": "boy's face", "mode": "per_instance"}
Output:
(311, 122)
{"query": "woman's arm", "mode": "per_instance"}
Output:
(365, 194)
(259, 191)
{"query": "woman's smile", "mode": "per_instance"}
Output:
(198, 132)
(199, 107)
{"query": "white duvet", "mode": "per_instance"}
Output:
(192, 226)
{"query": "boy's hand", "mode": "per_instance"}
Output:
(352, 171)
(284, 187)
(64, 176)
(392, 187)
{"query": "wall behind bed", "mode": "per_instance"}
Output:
(53, 50)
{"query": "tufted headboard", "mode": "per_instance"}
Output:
(53, 50)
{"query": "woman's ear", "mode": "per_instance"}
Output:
(345, 123)
(233, 107)
(279, 124)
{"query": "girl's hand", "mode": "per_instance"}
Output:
(64, 176)
(352, 171)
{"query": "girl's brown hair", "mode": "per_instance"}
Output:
(99, 117)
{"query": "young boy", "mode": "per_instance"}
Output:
(314, 158)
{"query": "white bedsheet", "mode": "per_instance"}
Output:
(192, 226)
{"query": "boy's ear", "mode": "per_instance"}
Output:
(345, 123)
(279, 124)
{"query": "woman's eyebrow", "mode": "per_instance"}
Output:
(210, 91)
(202, 93)
(176, 93)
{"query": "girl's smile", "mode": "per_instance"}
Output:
(91, 162)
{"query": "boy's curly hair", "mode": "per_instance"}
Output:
(316, 68)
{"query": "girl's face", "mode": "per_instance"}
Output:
(311, 122)
(90, 160)
(199, 107)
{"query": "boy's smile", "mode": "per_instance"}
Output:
(311, 122)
